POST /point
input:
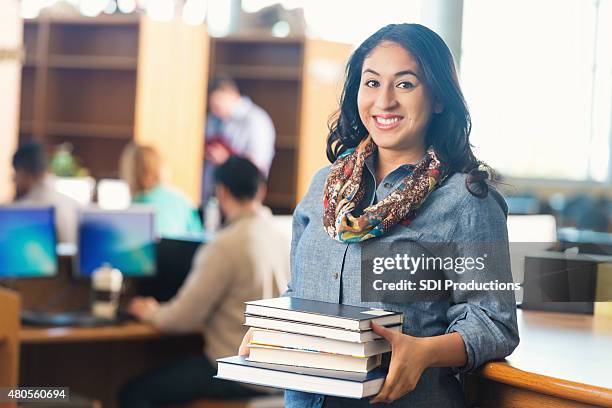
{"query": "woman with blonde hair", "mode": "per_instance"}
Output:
(140, 166)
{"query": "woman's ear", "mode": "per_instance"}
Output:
(438, 107)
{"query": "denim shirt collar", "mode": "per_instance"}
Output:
(375, 193)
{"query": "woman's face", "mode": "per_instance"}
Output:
(393, 101)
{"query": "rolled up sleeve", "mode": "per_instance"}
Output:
(485, 319)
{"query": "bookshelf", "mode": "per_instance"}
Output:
(79, 86)
(277, 74)
(99, 83)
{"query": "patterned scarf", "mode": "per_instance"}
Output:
(344, 190)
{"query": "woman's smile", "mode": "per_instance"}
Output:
(387, 121)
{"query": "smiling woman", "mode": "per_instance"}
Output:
(393, 102)
(403, 171)
(397, 73)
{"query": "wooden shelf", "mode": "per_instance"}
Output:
(89, 130)
(80, 85)
(269, 73)
(92, 62)
(269, 70)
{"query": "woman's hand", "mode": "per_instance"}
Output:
(410, 356)
(243, 350)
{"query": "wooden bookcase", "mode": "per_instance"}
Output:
(79, 86)
(99, 83)
(277, 74)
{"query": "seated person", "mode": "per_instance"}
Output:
(35, 187)
(140, 167)
(226, 272)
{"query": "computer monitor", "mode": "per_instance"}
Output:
(174, 261)
(123, 239)
(27, 242)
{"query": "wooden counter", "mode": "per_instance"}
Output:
(563, 360)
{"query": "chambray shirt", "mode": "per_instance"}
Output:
(327, 270)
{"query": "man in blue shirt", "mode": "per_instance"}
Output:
(235, 126)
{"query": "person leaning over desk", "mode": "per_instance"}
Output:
(232, 269)
(403, 170)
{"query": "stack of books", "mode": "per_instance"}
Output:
(313, 346)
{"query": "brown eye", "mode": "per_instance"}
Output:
(372, 83)
(405, 85)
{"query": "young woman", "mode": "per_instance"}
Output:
(140, 167)
(403, 171)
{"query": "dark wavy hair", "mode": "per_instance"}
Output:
(448, 132)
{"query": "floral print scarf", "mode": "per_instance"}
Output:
(344, 190)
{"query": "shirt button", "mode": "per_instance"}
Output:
(335, 275)
(387, 185)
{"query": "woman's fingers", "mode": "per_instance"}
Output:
(243, 350)
(390, 381)
(400, 389)
(384, 332)
(388, 386)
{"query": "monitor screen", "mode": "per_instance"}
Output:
(123, 239)
(27, 242)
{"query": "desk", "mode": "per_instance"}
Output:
(127, 331)
(563, 360)
(95, 362)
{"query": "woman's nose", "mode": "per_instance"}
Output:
(386, 99)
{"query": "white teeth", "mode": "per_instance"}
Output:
(387, 121)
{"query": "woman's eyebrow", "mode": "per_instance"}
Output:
(397, 74)
(406, 72)
(370, 71)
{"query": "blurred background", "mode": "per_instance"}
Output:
(109, 89)
(86, 77)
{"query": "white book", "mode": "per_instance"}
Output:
(313, 343)
(314, 380)
(324, 313)
(315, 330)
(313, 359)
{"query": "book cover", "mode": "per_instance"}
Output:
(313, 329)
(315, 380)
(323, 313)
